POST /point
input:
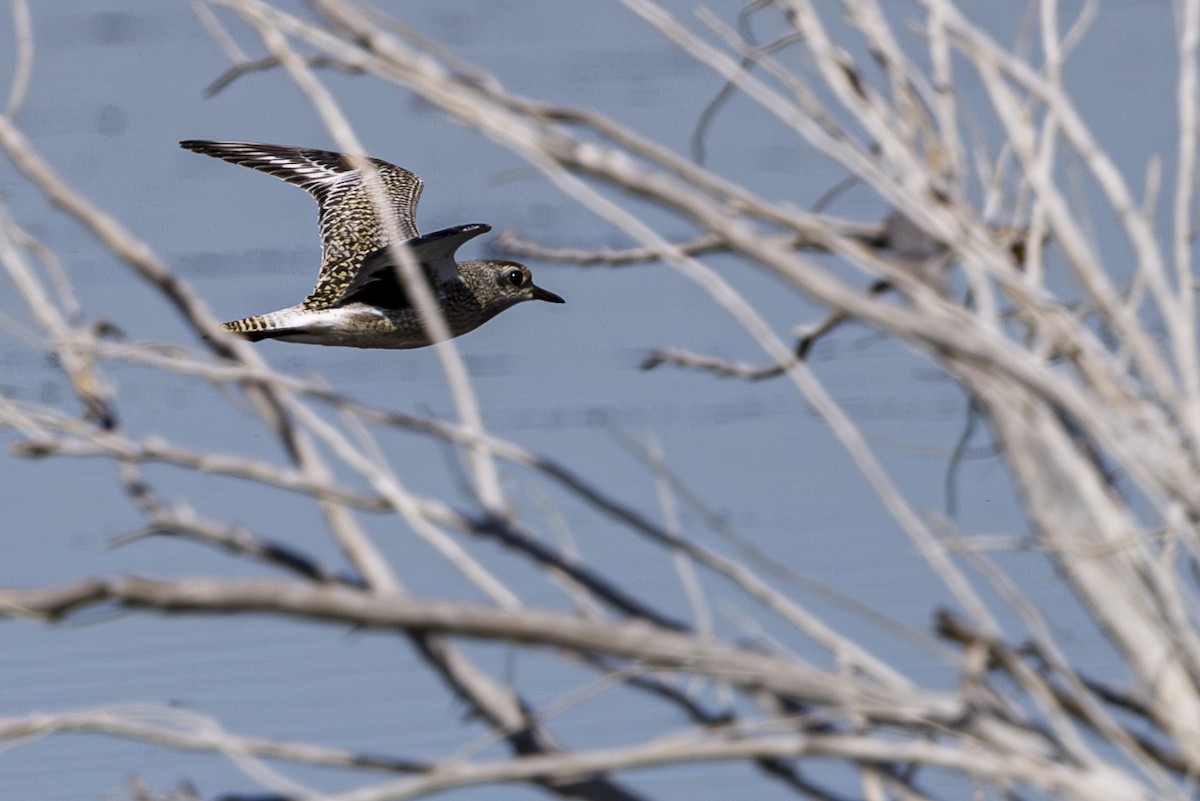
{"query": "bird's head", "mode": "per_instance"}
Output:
(505, 282)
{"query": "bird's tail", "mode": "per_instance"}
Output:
(264, 326)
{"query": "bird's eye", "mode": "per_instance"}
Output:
(514, 277)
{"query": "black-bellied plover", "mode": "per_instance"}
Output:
(359, 301)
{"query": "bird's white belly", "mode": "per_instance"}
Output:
(362, 326)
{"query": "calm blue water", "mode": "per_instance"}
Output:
(116, 84)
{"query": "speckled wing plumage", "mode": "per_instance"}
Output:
(350, 229)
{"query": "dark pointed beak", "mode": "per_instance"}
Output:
(540, 294)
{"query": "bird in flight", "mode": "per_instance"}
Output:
(359, 300)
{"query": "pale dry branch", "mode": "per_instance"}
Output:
(23, 44)
(651, 646)
(185, 730)
(1067, 781)
(1189, 125)
(412, 277)
(710, 364)
(510, 243)
(86, 441)
(269, 63)
(235, 539)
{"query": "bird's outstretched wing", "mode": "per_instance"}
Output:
(377, 283)
(436, 251)
(350, 229)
